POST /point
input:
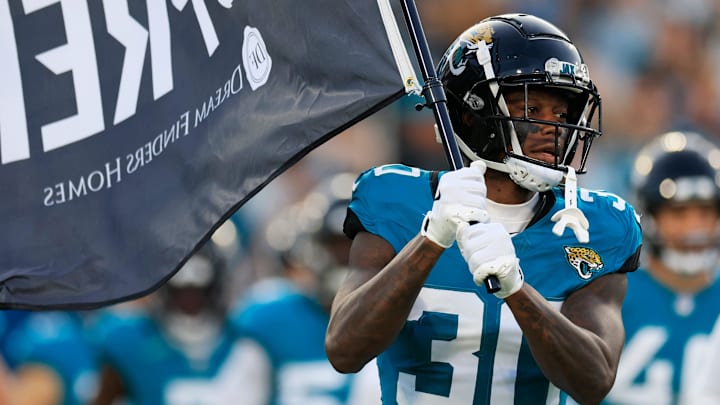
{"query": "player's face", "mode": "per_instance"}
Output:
(189, 300)
(539, 140)
(688, 226)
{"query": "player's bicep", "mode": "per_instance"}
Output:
(598, 309)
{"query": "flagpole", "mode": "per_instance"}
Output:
(433, 91)
(436, 100)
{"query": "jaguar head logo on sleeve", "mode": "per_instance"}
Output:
(584, 260)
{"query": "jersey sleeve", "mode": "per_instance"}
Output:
(629, 257)
(389, 201)
(616, 225)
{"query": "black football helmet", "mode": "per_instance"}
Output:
(676, 168)
(521, 52)
(199, 284)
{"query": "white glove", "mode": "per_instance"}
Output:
(488, 250)
(460, 198)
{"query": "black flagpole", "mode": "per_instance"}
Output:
(433, 91)
(436, 100)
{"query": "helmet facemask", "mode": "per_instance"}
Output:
(493, 135)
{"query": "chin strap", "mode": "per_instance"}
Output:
(571, 216)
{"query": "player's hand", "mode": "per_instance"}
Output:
(488, 250)
(460, 198)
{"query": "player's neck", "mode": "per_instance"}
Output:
(675, 282)
(501, 189)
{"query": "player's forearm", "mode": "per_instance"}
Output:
(366, 321)
(572, 358)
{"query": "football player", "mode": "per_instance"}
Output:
(283, 323)
(525, 113)
(672, 304)
(46, 358)
(178, 347)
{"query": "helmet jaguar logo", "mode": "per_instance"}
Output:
(467, 44)
(481, 32)
(584, 260)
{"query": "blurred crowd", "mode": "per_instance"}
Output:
(654, 62)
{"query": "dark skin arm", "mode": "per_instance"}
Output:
(372, 305)
(577, 348)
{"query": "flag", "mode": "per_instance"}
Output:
(130, 130)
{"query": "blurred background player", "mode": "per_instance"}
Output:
(178, 347)
(46, 359)
(672, 304)
(283, 319)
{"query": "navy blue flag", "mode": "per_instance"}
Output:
(130, 130)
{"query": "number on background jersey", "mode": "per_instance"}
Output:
(646, 378)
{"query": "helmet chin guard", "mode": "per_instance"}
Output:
(531, 176)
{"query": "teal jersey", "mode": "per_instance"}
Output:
(57, 340)
(666, 333)
(461, 344)
(290, 329)
(155, 371)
